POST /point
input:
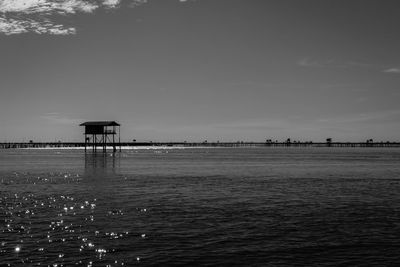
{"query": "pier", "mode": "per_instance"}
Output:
(14, 145)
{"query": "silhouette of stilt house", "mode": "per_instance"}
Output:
(101, 133)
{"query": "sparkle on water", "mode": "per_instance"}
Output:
(207, 206)
(39, 220)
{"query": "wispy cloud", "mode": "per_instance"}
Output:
(58, 118)
(392, 70)
(367, 117)
(308, 62)
(47, 6)
(16, 26)
(40, 16)
(111, 3)
(311, 63)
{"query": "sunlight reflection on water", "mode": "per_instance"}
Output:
(218, 207)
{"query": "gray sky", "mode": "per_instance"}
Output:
(193, 70)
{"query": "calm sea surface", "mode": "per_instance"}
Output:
(216, 207)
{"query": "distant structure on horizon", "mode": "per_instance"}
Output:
(101, 133)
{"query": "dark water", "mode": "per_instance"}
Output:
(218, 207)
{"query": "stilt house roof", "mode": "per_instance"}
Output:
(100, 123)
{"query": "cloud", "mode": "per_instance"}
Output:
(57, 118)
(40, 16)
(368, 117)
(135, 3)
(307, 62)
(111, 3)
(392, 70)
(16, 26)
(12, 26)
(47, 6)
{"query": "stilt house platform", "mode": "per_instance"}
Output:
(101, 133)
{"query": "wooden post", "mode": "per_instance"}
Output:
(119, 137)
(114, 148)
(94, 143)
(101, 140)
(105, 140)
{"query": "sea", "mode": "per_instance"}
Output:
(265, 206)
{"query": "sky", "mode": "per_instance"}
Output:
(195, 70)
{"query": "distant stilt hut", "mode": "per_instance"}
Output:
(101, 133)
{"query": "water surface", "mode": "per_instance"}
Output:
(206, 206)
